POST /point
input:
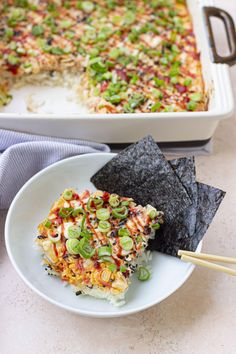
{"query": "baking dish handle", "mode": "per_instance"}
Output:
(211, 11)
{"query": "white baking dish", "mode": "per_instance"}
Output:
(68, 120)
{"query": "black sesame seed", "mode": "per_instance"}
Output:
(113, 233)
(81, 19)
(121, 223)
(49, 41)
(17, 33)
(41, 236)
(146, 230)
(76, 256)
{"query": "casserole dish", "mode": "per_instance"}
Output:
(60, 118)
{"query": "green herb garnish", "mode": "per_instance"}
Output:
(37, 30)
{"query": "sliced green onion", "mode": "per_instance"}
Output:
(126, 202)
(97, 65)
(65, 212)
(174, 71)
(83, 222)
(20, 50)
(65, 24)
(126, 243)
(139, 239)
(143, 273)
(107, 76)
(114, 53)
(73, 246)
(67, 194)
(13, 60)
(77, 211)
(174, 80)
(86, 233)
(74, 231)
(174, 48)
(107, 259)
(159, 82)
(156, 226)
(67, 5)
(96, 91)
(173, 36)
(157, 93)
(104, 226)
(164, 61)
(196, 97)
(116, 20)
(128, 108)
(120, 213)
(9, 32)
(85, 249)
(67, 50)
(37, 30)
(103, 214)
(156, 107)
(17, 15)
(172, 13)
(51, 7)
(114, 200)
(104, 251)
(87, 6)
(123, 269)
(69, 34)
(123, 232)
(13, 45)
(57, 51)
(129, 17)
(47, 224)
(191, 106)
(115, 99)
(187, 81)
(169, 109)
(152, 213)
(134, 79)
(112, 267)
(136, 100)
(96, 204)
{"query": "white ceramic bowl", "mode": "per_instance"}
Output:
(32, 204)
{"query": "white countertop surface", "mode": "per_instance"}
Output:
(199, 318)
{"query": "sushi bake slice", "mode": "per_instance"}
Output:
(94, 241)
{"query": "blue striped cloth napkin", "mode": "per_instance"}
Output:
(22, 155)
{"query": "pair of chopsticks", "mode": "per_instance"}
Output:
(207, 260)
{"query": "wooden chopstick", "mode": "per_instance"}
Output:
(202, 260)
(208, 257)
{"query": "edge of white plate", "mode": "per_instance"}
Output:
(56, 303)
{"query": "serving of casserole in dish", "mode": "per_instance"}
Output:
(134, 67)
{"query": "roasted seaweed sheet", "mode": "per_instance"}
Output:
(189, 227)
(180, 230)
(142, 173)
(209, 200)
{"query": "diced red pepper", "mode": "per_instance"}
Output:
(181, 88)
(105, 196)
(104, 86)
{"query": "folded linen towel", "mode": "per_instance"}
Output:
(22, 155)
